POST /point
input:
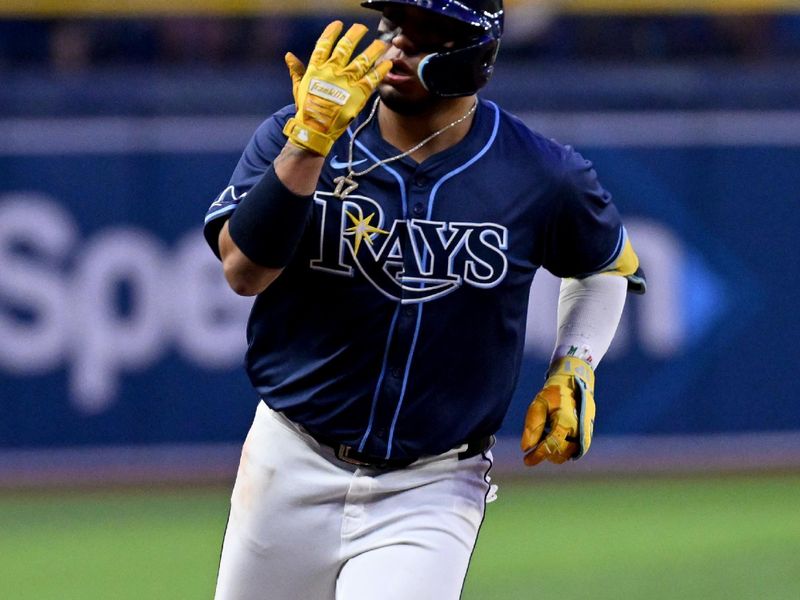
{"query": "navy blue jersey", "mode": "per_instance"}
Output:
(398, 326)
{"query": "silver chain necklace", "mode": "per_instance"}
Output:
(346, 185)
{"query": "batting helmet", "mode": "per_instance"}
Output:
(464, 69)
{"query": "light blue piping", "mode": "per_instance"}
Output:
(623, 237)
(394, 173)
(435, 189)
(405, 382)
(363, 441)
(219, 212)
(382, 375)
(470, 162)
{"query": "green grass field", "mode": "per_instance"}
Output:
(705, 538)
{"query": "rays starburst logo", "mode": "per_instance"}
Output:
(362, 230)
(407, 260)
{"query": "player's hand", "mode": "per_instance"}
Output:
(560, 419)
(333, 89)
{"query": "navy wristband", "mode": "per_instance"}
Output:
(269, 221)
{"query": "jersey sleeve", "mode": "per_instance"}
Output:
(584, 233)
(265, 144)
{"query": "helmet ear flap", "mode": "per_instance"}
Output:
(465, 69)
(459, 72)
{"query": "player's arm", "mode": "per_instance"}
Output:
(560, 420)
(297, 171)
(591, 251)
(261, 235)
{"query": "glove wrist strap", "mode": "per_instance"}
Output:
(306, 138)
(569, 365)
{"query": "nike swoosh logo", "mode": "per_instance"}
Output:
(343, 165)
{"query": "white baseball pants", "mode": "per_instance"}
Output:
(305, 526)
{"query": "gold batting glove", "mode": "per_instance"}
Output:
(333, 89)
(560, 420)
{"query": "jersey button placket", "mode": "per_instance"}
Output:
(404, 332)
(418, 207)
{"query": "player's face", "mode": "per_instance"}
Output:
(418, 33)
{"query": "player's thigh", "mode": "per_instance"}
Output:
(245, 573)
(432, 571)
(282, 538)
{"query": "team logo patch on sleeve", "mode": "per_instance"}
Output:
(225, 203)
(409, 260)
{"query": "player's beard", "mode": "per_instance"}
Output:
(407, 105)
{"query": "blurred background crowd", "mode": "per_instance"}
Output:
(64, 44)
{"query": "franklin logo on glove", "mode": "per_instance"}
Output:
(329, 91)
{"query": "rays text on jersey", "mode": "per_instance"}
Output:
(408, 260)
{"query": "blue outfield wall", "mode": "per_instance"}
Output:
(117, 327)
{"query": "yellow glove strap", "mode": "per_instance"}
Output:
(306, 138)
(560, 420)
(570, 366)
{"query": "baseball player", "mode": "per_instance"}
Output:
(389, 223)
